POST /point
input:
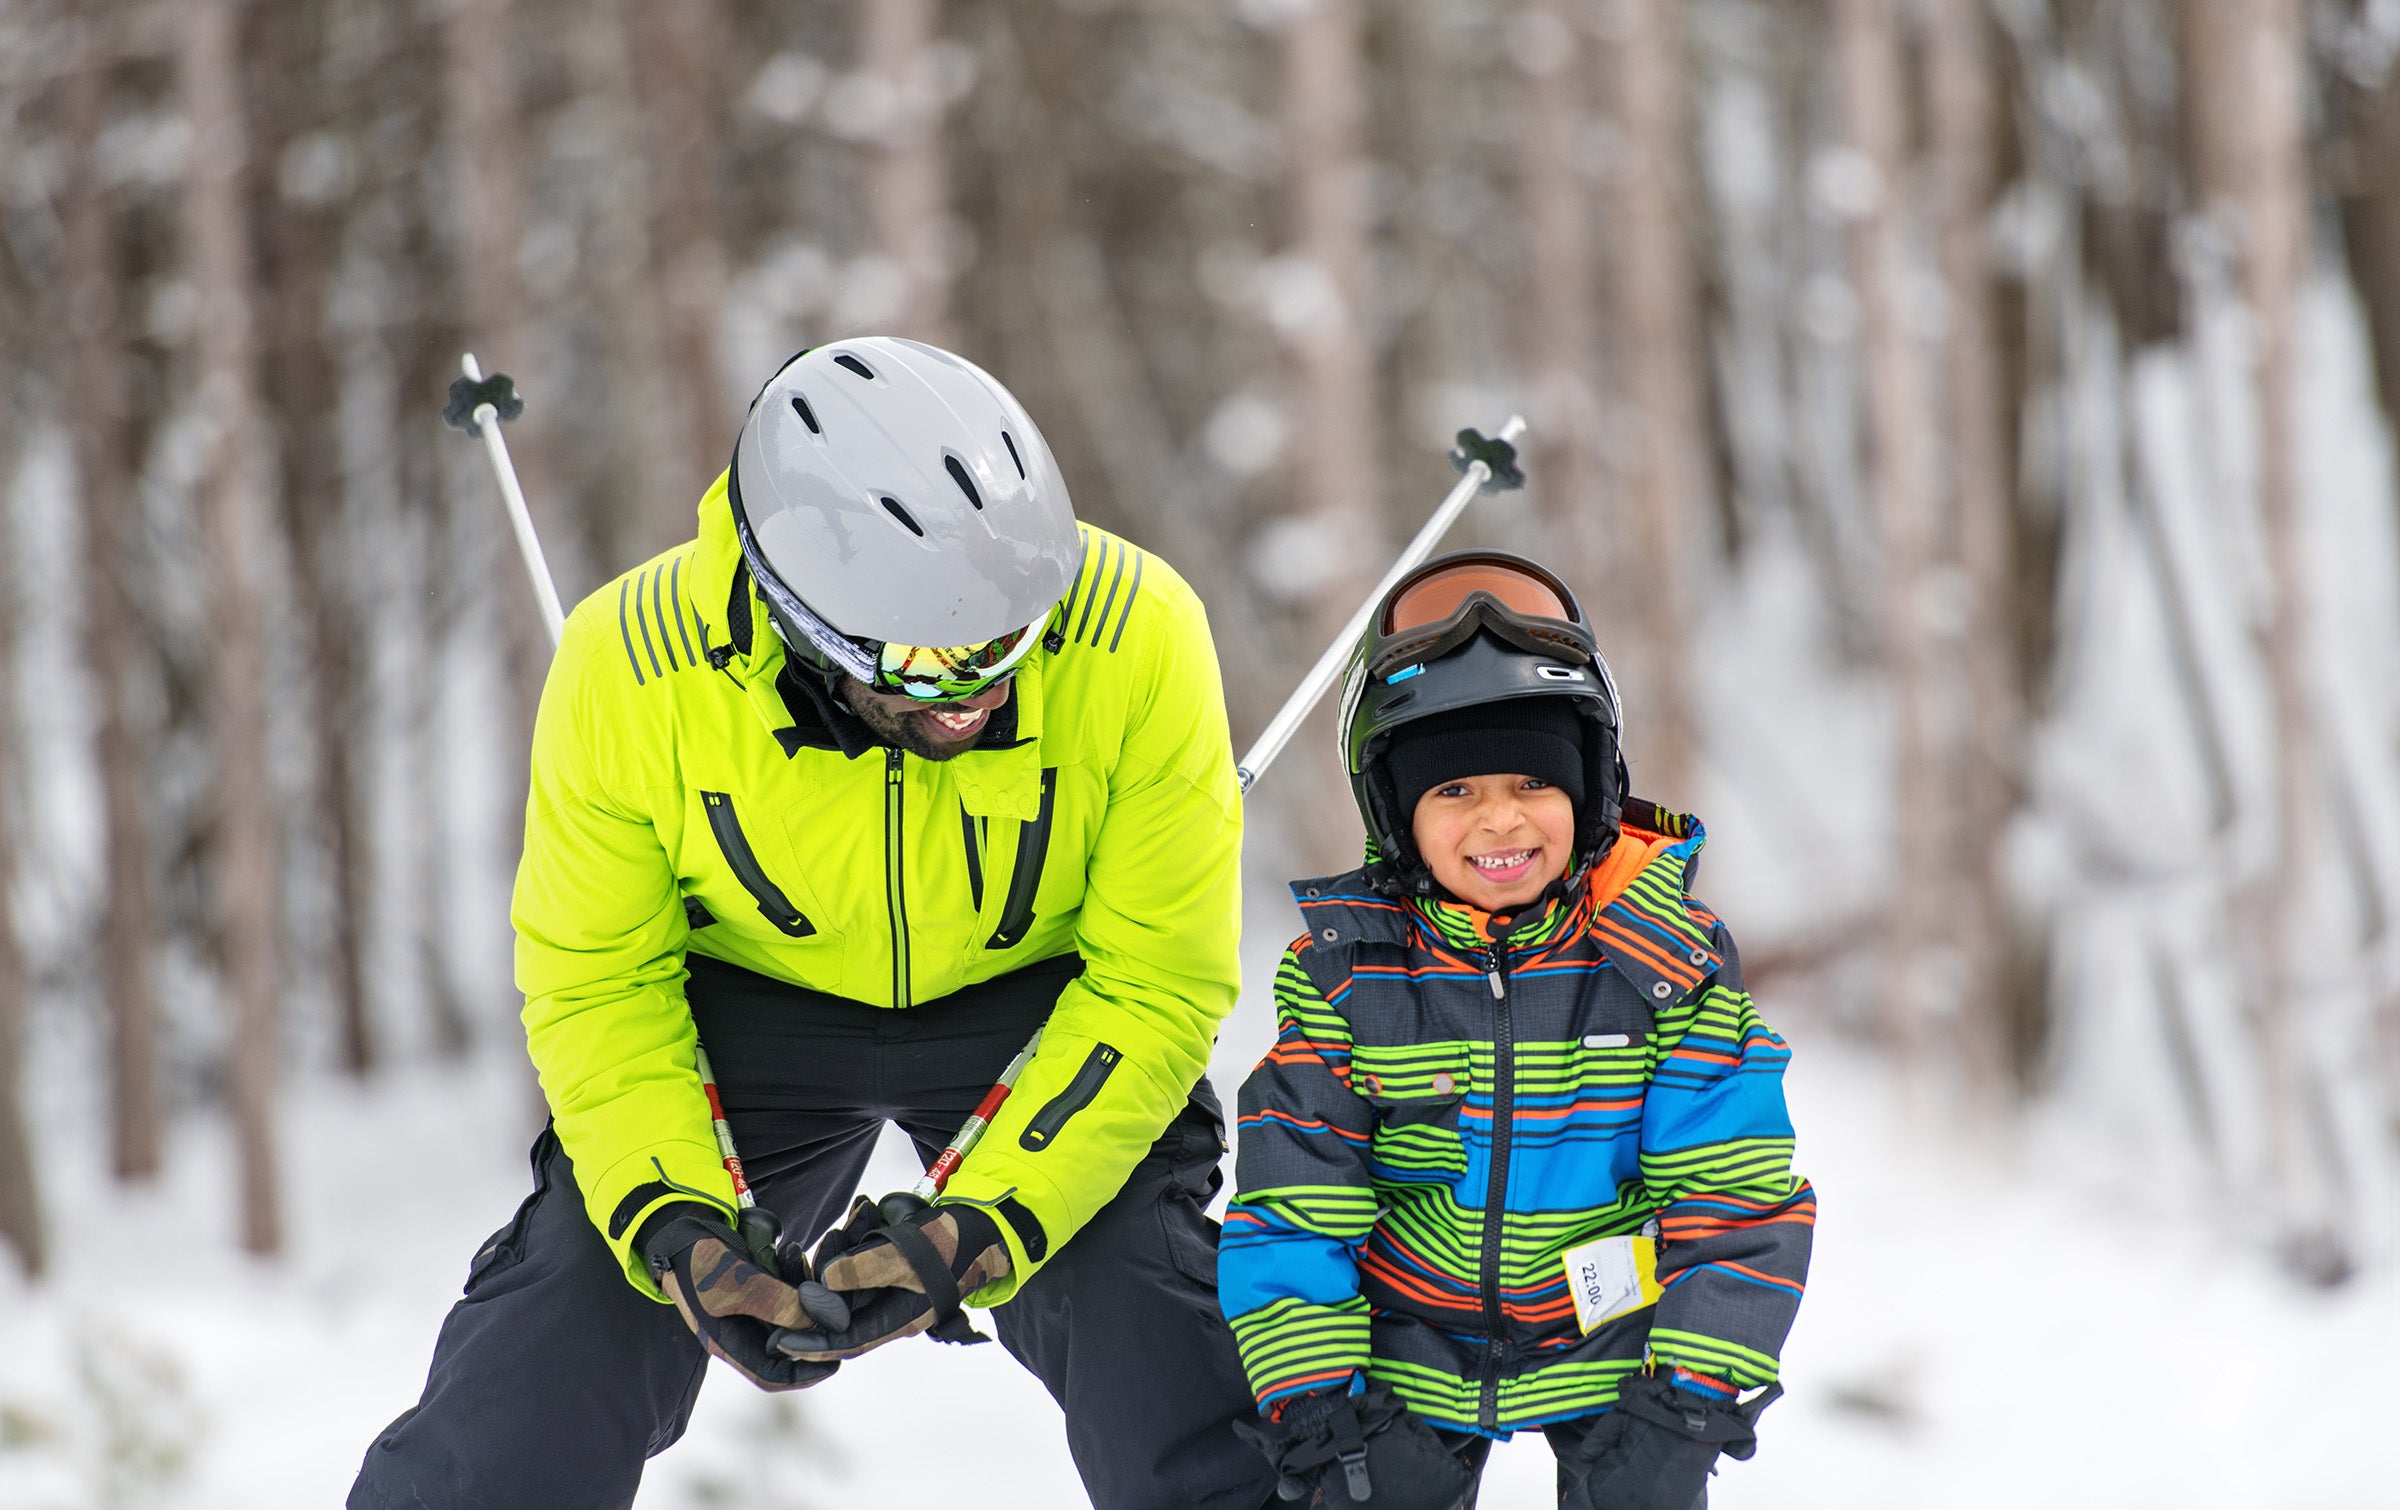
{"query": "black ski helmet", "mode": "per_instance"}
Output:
(1462, 631)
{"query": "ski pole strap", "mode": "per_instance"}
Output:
(950, 1323)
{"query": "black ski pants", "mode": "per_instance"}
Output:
(553, 1380)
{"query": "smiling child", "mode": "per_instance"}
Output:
(1519, 1157)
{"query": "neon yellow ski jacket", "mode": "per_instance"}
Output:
(676, 805)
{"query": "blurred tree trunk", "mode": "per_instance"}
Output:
(1339, 473)
(675, 43)
(2367, 193)
(638, 493)
(1566, 421)
(244, 873)
(1049, 249)
(480, 102)
(2244, 62)
(1658, 326)
(96, 415)
(412, 88)
(2367, 196)
(20, 1191)
(906, 197)
(1960, 98)
(1322, 294)
(1868, 45)
(300, 222)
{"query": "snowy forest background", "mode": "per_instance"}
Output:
(1971, 424)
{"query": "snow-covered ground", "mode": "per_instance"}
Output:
(1979, 1332)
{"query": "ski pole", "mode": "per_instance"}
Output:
(1484, 465)
(478, 405)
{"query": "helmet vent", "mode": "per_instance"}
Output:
(845, 359)
(966, 484)
(892, 507)
(807, 416)
(1010, 441)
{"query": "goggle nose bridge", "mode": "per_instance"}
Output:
(1481, 612)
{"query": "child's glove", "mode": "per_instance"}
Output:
(1366, 1449)
(1656, 1450)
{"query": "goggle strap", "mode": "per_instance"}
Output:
(832, 643)
(1553, 637)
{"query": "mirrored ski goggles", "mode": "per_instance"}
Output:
(921, 673)
(1446, 602)
(931, 674)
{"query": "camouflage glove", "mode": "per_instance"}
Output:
(731, 1304)
(1656, 1450)
(903, 1267)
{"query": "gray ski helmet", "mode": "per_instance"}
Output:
(887, 491)
(1462, 631)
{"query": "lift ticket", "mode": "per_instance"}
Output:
(1611, 1276)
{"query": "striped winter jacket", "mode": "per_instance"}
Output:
(1381, 1226)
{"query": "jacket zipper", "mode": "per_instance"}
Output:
(1033, 847)
(1495, 1205)
(974, 858)
(895, 889)
(773, 905)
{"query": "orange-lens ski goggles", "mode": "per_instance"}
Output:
(1443, 606)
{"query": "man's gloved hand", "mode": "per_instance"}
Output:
(903, 1268)
(1337, 1449)
(1656, 1450)
(731, 1304)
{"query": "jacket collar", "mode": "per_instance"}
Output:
(1649, 930)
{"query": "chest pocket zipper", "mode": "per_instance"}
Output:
(1033, 847)
(773, 905)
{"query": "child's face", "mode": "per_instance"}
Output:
(1495, 841)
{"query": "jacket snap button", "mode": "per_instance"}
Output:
(1312, 891)
(1662, 990)
(1699, 956)
(1329, 935)
(1444, 1083)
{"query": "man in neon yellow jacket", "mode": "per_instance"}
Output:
(892, 764)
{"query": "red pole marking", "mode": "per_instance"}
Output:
(724, 1131)
(955, 1155)
(989, 1106)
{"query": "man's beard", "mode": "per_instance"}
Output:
(908, 729)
